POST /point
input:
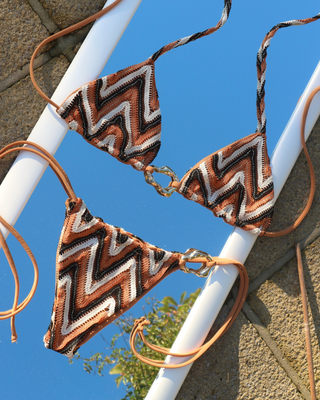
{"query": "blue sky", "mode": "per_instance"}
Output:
(207, 95)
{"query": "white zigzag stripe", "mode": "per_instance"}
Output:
(124, 108)
(145, 70)
(259, 142)
(90, 287)
(66, 327)
(238, 177)
(114, 250)
(155, 266)
(77, 227)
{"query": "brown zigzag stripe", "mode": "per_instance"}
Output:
(235, 183)
(119, 114)
(101, 272)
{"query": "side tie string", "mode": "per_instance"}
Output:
(16, 308)
(239, 301)
(63, 178)
(311, 169)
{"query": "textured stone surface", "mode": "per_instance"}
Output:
(21, 106)
(238, 366)
(278, 304)
(289, 205)
(68, 12)
(21, 31)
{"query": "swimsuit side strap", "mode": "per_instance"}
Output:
(59, 34)
(191, 38)
(311, 169)
(262, 66)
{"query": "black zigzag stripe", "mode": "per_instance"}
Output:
(73, 313)
(140, 83)
(73, 344)
(261, 217)
(196, 175)
(115, 291)
(252, 155)
(117, 120)
(98, 274)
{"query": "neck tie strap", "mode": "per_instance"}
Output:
(262, 66)
(180, 42)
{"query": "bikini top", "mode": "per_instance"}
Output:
(120, 114)
(102, 271)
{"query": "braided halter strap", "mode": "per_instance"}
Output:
(262, 67)
(16, 308)
(120, 113)
(240, 299)
(180, 42)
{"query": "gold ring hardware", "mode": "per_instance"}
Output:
(167, 191)
(197, 256)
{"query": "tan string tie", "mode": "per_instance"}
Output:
(311, 170)
(63, 178)
(239, 301)
(58, 35)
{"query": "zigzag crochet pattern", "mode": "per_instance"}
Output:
(101, 272)
(235, 183)
(119, 113)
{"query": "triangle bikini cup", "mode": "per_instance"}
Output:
(120, 114)
(102, 271)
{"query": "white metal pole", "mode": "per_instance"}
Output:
(50, 129)
(238, 246)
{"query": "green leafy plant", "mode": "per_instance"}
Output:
(166, 318)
